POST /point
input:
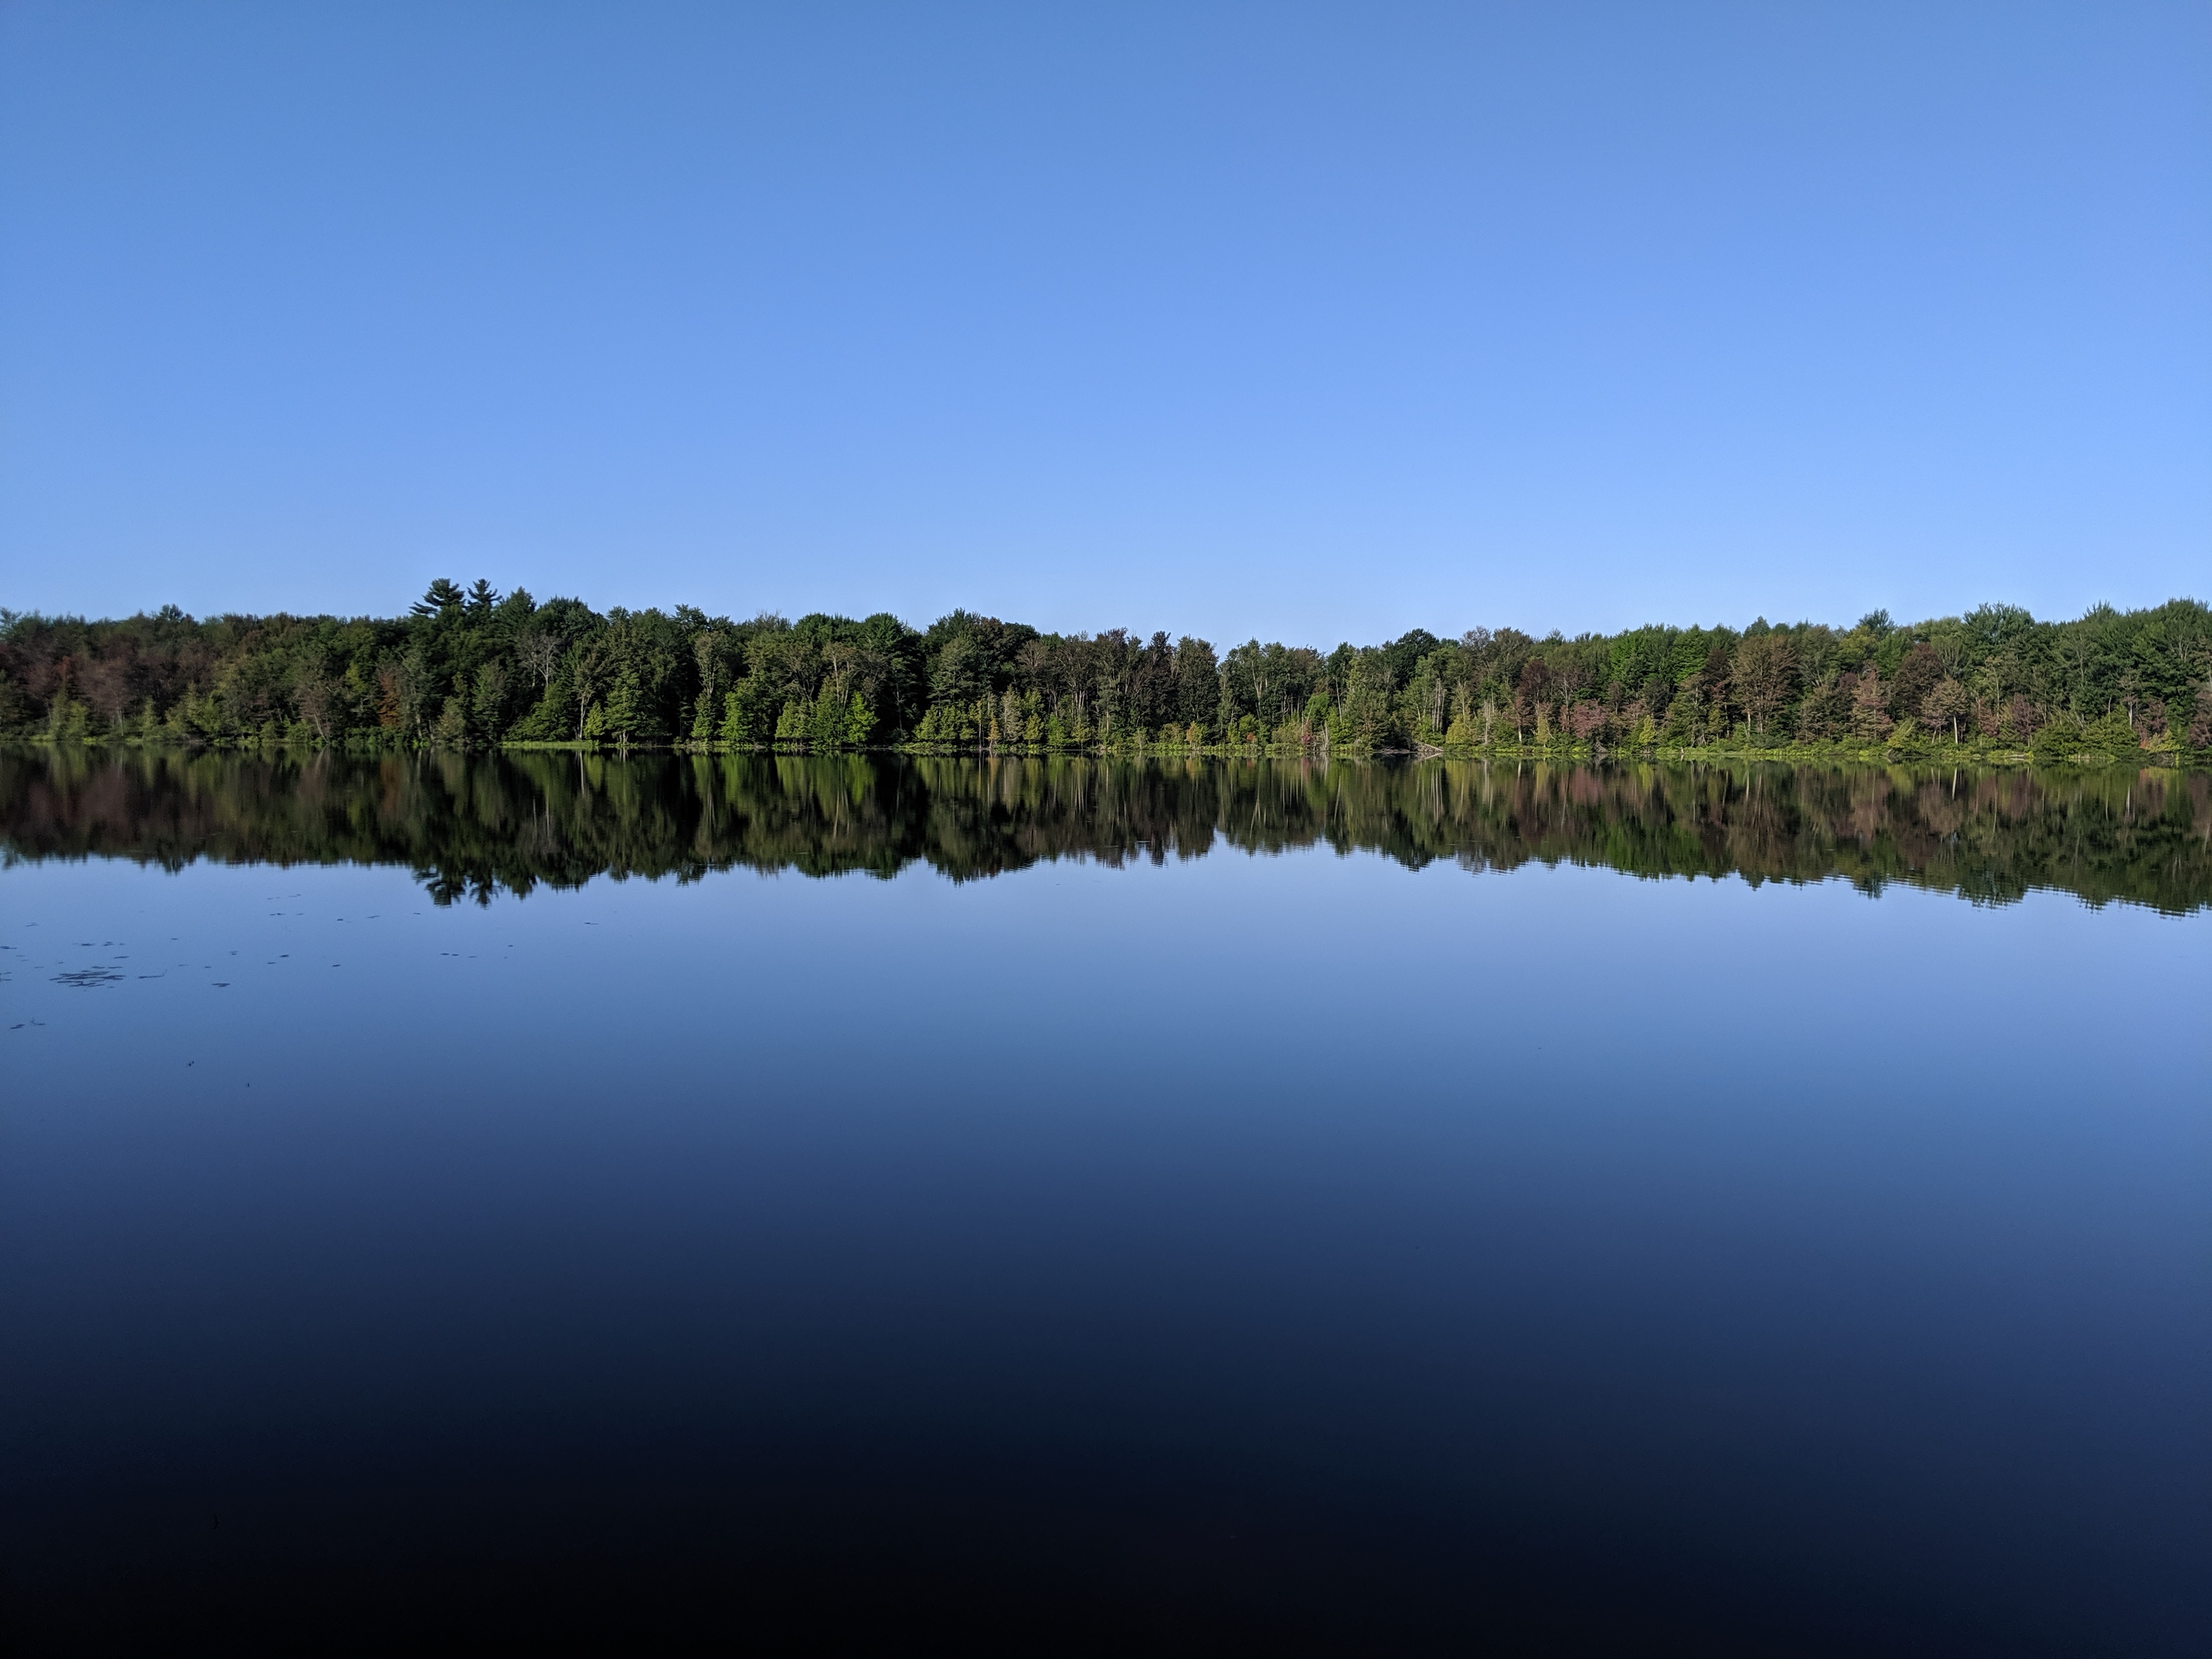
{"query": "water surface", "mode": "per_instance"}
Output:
(1375, 1209)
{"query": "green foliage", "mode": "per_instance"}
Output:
(2057, 740)
(472, 669)
(2063, 739)
(748, 720)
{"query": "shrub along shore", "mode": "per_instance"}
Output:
(475, 669)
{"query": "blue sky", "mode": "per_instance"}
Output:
(1306, 323)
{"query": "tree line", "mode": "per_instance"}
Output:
(474, 825)
(474, 670)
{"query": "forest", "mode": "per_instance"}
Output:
(473, 669)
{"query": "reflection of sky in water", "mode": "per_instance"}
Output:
(1351, 1240)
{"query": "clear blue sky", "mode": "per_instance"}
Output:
(1311, 323)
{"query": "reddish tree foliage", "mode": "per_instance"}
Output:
(1917, 674)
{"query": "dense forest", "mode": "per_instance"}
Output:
(474, 825)
(473, 670)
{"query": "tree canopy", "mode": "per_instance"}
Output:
(475, 669)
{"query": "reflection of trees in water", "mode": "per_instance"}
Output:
(472, 825)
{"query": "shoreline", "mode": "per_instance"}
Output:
(1986, 757)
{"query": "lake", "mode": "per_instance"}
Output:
(1090, 1205)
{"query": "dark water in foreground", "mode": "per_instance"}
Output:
(1138, 1250)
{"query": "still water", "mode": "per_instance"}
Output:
(1106, 1207)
